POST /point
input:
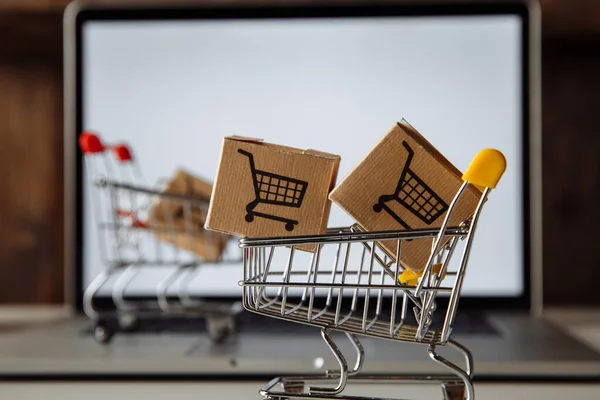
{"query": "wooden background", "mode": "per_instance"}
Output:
(31, 214)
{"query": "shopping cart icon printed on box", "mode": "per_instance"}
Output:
(275, 189)
(414, 195)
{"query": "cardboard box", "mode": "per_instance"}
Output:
(266, 190)
(404, 183)
(167, 217)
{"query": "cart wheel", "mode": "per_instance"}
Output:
(128, 322)
(453, 390)
(219, 328)
(289, 227)
(293, 387)
(103, 334)
(377, 207)
(249, 217)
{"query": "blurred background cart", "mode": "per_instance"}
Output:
(362, 283)
(142, 227)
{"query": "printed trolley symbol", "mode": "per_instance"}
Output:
(278, 190)
(414, 194)
(342, 286)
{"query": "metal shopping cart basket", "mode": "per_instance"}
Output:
(414, 194)
(130, 244)
(358, 278)
(274, 189)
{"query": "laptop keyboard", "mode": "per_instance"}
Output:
(466, 323)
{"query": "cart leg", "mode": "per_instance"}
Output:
(453, 390)
(464, 376)
(342, 373)
(164, 285)
(466, 354)
(102, 329)
(360, 354)
(90, 293)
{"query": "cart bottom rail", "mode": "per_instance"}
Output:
(293, 387)
(455, 386)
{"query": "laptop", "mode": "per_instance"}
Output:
(171, 82)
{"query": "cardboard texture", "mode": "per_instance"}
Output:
(167, 218)
(266, 190)
(404, 183)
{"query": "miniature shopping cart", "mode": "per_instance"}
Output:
(278, 190)
(359, 282)
(130, 243)
(414, 194)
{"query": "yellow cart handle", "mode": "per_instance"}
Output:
(410, 278)
(486, 169)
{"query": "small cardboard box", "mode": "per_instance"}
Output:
(404, 183)
(167, 217)
(265, 190)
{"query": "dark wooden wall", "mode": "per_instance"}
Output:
(31, 198)
(571, 168)
(31, 256)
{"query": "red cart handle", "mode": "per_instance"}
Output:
(122, 153)
(90, 143)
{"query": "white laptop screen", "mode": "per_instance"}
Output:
(172, 89)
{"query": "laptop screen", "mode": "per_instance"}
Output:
(172, 89)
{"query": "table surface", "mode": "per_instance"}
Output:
(249, 390)
(583, 324)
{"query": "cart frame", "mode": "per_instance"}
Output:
(260, 281)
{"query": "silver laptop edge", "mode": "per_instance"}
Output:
(69, 163)
(535, 150)
(535, 160)
(524, 346)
